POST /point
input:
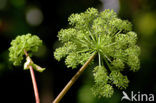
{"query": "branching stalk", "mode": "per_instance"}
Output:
(72, 81)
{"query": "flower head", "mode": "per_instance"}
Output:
(27, 42)
(107, 35)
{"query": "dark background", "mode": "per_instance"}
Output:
(51, 16)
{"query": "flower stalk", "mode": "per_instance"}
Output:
(74, 78)
(33, 80)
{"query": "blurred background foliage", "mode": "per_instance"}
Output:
(45, 18)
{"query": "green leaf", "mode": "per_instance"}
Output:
(29, 63)
(38, 68)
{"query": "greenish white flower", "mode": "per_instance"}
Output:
(29, 43)
(107, 35)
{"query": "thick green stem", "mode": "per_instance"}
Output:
(72, 81)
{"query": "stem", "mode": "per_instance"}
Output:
(34, 84)
(72, 81)
(33, 81)
(99, 59)
(109, 66)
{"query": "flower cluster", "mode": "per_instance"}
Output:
(108, 36)
(27, 42)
